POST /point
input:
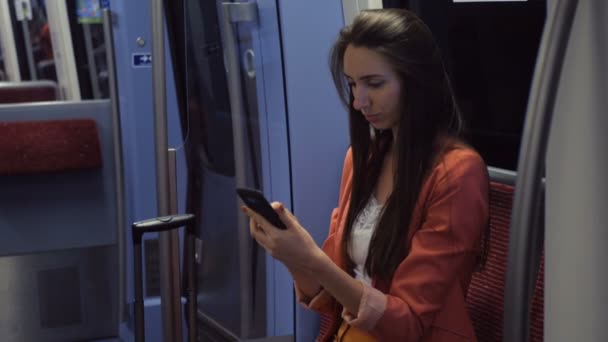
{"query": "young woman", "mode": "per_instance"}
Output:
(406, 235)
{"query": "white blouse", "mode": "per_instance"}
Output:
(362, 232)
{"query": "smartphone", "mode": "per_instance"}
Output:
(256, 201)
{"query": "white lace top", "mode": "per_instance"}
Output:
(362, 232)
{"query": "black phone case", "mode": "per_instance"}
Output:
(255, 200)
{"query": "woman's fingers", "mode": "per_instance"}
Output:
(254, 227)
(259, 219)
(284, 214)
(257, 226)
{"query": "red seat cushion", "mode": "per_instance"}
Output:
(47, 146)
(485, 298)
(27, 94)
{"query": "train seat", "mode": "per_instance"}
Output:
(485, 298)
(59, 164)
(58, 222)
(29, 91)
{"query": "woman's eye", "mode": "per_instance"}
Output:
(352, 85)
(375, 84)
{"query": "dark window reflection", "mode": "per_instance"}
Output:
(490, 51)
(208, 100)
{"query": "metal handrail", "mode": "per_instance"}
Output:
(502, 176)
(235, 12)
(524, 239)
(118, 161)
(170, 293)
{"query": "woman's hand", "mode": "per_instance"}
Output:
(310, 267)
(293, 246)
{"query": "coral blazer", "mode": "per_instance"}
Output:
(425, 300)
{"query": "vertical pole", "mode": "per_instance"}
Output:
(169, 263)
(119, 171)
(169, 302)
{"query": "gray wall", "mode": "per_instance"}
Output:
(576, 280)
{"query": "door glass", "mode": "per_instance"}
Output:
(207, 87)
(225, 137)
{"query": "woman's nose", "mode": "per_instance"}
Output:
(361, 101)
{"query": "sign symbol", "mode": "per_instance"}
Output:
(142, 60)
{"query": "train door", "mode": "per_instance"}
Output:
(231, 73)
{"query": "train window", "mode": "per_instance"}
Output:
(490, 50)
(207, 87)
(30, 43)
(60, 41)
(86, 27)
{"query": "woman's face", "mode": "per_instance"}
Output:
(375, 86)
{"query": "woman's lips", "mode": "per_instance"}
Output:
(372, 118)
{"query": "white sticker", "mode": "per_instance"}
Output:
(23, 9)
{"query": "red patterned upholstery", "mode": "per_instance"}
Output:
(328, 326)
(485, 297)
(538, 305)
(46, 146)
(19, 94)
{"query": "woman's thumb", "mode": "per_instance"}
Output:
(283, 213)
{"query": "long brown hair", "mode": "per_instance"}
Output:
(429, 111)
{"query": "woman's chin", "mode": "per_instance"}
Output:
(379, 125)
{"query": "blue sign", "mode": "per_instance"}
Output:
(105, 3)
(142, 60)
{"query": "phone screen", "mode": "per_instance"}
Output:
(256, 201)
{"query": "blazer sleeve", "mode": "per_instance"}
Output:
(441, 250)
(323, 301)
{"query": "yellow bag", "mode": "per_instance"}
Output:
(348, 333)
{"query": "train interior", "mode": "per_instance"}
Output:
(113, 114)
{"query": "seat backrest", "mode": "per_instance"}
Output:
(30, 91)
(485, 297)
(56, 193)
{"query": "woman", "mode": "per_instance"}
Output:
(406, 235)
